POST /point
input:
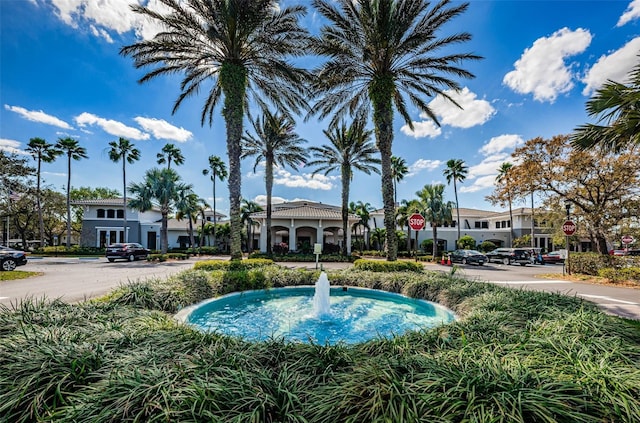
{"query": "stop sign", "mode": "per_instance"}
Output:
(627, 239)
(416, 221)
(569, 228)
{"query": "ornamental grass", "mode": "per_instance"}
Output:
(512, 356)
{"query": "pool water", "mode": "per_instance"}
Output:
(356, 315)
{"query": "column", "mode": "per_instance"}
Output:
(263, 236)
(292, 236)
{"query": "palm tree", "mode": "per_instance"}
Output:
(277, 144)
(235, 49)
(124, 150)
(363, 210)
(41, 151)
(188, 204)
(71, 148)
(436, 211)
(248, 208)
(616, 104)
(406, 209)
(381, 54)
(159, 188)
(504, 177)
(168, 153)
(456, 171)
(378, 236)
(399, 170)
(350, 149)
(218, 170)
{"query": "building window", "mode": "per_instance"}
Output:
(101, 213)
(497, 225)
(453, 224)
(111, 213)
(120, 214)
(508, 223)
(477, 225)
(485, 225)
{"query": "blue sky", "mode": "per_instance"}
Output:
(61, 75)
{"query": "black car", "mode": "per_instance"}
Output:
(468, 257)
(126, 251)
(522, 256)
(10, 258)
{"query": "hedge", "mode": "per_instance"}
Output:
(387, 266)
(251, 263)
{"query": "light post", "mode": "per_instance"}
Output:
(567, 206)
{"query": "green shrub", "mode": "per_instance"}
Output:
(232, 264)
(467, 242)
(487, 246)
(306, 258)
(387, 266)
(157, 257)
(620, 274)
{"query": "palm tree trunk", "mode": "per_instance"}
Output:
(510, 224)
(434, 230)
(346, 179)
(124, 191)
(69, 202)
(455, 191)
(164, 236)
(233, 79)
(213, 172)
(192, 240)
(381, 93)
(40, 217)
(533, 226)
(269, 185)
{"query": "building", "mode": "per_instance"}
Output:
(103, 219)
(297, 226)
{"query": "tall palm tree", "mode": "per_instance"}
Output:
(124, 150)
(235, 49)
(188, 204)
(436, 211)
(159, 188)
(72, 149)
(399, 170)
(351, 148)
(456, 171)
(504, 177)
(170, 153)
(381, 54)
(41, 151)
(247, 209)
(363, 210)
(218, 170)
(276, 143)
(616, 104)
(403, 212)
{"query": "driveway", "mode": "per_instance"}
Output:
(73, 279)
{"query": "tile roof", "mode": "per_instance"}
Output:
(100, 202)
(306, 210)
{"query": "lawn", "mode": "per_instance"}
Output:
(17, 274)
(513, 356)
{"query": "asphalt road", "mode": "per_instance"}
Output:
(73, 279)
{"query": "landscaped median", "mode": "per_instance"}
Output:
(513, 355)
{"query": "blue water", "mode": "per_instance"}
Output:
(356, 315)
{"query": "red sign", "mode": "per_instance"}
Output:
(627, 239)
(416, 221)
(569, 228)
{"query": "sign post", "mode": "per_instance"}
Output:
(317, 250)
(626, 240)
(569, 228)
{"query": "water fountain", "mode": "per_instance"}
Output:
(321, 300)
(321, 314)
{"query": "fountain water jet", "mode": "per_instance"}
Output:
(321, 305)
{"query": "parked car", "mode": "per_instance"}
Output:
(633, 253)
(126, 251)
(616, 252)
(553, 257)
(468, 256)
(522, 256)
(10, 258)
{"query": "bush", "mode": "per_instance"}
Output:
(631, 273)
(487, 246)
(298, 257)
(387, 266)
(467, 242)
(74, 250)
(234, 264)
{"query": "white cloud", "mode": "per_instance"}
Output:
(304, 180)
(262, 200)
(614, 67)
(108, 15)
(162, 129)
(422, 164)
(422, 129)
(481, 183)
(488, 166)
(501, 143)
(112, 127)
(11, 146)
(38, 116)
(541, 70)
(474, 112)
(632, 12)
